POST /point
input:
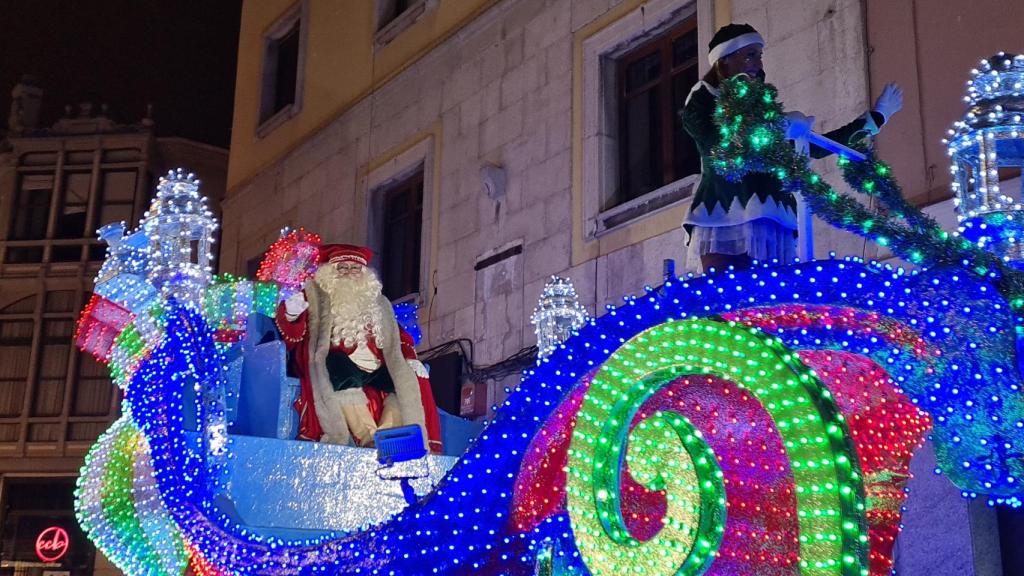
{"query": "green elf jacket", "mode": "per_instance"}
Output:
(719, 202)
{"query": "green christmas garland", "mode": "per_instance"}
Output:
(752, 123)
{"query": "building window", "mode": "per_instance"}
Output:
(32, 207)
(118, 197)
(15, 357)
(653, 82)
(93, 390)
(116, 203)
(71, 217)
(283, 60)
(30, 215)
(636, 74)
(391, 9)
(75, 223)
(41, 337)
(394, 194)
(395, 16)
(402, 226)
(286, 63)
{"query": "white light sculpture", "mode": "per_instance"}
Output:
(986, 149)
(180, 228)
(557, 315)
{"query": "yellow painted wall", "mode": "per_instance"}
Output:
(341, 67)
(723, 13)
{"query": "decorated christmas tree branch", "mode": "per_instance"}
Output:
(752, 126)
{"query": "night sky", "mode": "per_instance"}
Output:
(178, 55)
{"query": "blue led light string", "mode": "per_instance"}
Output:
(463, 525)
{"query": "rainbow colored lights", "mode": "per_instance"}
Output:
(789, 428)
(749, 422)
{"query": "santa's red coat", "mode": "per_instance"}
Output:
(296, 334)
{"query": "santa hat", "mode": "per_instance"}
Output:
(731, 38)
(334, 253)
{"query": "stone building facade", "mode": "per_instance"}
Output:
(525, 90)
(513, 119)
(58, 184)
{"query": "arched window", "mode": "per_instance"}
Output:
(26, 305)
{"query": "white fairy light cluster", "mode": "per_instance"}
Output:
(180, 228)
(990, 137)
(557, 315)
(168, 255)
(126, 255)
(122, 279)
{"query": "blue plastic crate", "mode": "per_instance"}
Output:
(399, 444)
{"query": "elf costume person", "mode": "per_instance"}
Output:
(357, 369)
(733, 223)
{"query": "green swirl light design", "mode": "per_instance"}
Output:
(829, 488)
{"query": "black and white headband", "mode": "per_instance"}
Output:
(731, 45)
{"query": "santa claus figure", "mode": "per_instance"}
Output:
(358, 370)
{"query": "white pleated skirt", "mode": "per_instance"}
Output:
(762, 239)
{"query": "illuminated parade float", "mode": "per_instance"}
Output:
(745, 422)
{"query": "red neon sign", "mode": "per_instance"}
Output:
(52, 544)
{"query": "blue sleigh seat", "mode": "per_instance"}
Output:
(264, 393)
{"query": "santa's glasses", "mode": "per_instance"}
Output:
(348, 267)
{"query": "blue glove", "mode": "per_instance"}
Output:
(890, 102)
(798, 125)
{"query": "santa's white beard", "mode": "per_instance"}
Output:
(355, 305)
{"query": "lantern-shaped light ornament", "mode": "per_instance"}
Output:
(986, 149)
(557, 315)
(181, 228)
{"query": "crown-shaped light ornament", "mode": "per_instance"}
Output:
(986, 149)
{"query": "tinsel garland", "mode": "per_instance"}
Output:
(751, 123)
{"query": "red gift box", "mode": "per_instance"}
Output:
(100, 323)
